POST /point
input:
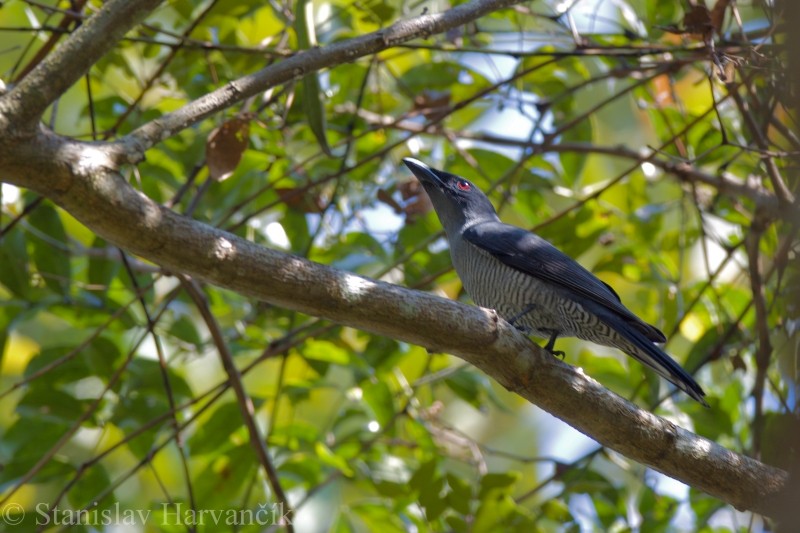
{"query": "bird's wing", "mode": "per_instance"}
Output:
(531, 254)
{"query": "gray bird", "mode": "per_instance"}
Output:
(535, 286)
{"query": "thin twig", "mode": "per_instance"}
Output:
(245, 403)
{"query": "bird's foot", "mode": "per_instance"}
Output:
(551, 343)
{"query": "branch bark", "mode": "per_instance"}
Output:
(70, 61)
(98, 196)
(301, 64)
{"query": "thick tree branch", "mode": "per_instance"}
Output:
(79, 178)
(301, 64)
(26, 102)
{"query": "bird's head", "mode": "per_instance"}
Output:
(458, 202)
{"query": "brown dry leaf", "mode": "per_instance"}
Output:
(697, 22)
(301, 199)
(386, 197)
(433, 104)
(776, 136)
(717, 15)
(729, 71)
(415, 200)
(225, 146)
(662, 91)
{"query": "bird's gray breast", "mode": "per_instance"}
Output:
(534, 305)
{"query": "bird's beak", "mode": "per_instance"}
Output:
(423, 172)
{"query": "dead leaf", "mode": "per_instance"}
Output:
(433, 104)
(301, 199)
(386, 197)
(415, 200)
(662, 90)
(225, 146)
(697, 22)
(717, 16)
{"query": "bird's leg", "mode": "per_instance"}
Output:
(551, 344)
(528, 309)
(553, 335)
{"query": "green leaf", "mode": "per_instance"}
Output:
(378, 517)
(224, 477)
(185, 329)
(49, 249)
(426, 76)
(84, 492)
(303, 468)
(101, 270)
(457, 524)
(382, 353)
(14, 274)
(424, 475)
(780, 437)
(62, 365)
(26, 452)
(573, 163)
(431, 498)
(51, 405)
(9, 312)
(326, 351)
(313, 102)
(557, 510)
(214, 433)
(473, 387)
(327, 456)
(379, 399)
(500, 480)
(460, 494)
(493, 512)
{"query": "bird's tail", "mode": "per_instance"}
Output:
(635, 344)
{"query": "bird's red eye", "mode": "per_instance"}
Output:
(463, 185)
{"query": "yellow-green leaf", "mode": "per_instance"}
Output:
(313, 103)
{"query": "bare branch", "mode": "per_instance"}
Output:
(245, 403)
(301, 64)
(764, 351)
(781, 190)
(24, 104)
(107, 204)
(63, 28)
(724, 182)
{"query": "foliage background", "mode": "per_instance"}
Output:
(625, 140)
